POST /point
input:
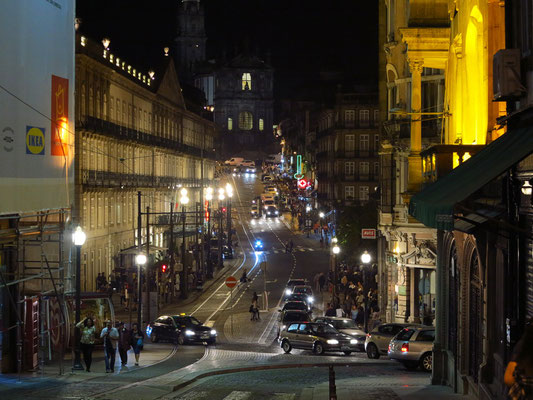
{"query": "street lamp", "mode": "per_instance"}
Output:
(140, 260)
(229, 191)
(78, 238)
(209, 197)
(335, 250)
(366, 259)
(184, 200)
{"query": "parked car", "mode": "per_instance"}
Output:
(294, 305)
(347, 326)
(180, 329)
(317, 337)
(255, 211)
(413, 347)
(289, 316)
(377, 341)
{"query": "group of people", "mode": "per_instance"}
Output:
(113, 337)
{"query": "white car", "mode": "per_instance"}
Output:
(248, 163)
(234, 161)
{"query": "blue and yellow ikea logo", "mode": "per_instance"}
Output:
(34, 140)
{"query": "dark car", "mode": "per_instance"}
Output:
(271, 212)
(305, 290)
(180, 329)
(258, 245)
(300, 297)
(348, 327)
(295, 305)
(291, 284)
(227, 252)
(289, 316)
(319, 337)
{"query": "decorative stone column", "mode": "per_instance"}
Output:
(415, 162)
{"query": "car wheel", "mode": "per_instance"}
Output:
(426, 362)
(347, 353)
(181, 339)
(411, 366)
(372, 351)
(153, 337)
(286, 346)
(319, 348)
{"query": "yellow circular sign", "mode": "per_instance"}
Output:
(35, 141)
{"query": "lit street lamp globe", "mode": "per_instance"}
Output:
(336, 249)
(334, 240)
(184, 200)
(78, 237)
(221, 196)
(366, 258)
(183, 192)
(140, 259)
(321, 214)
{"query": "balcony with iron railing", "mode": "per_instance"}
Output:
(120, 132)
(106, 179)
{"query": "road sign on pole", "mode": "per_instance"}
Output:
(231, 282)
(368, 233)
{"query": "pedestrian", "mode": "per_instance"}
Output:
(330, 311)
(137, 338)
(244, 278)
(322, 281)
(110, 336)
(519, 372)
(255, 297)
(124, 342)
(87, 336)
(316, 281)
(353, 312)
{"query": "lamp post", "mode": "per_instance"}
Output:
(140, 260)
(184, 199)
(78, 238)
(229, 192)
(335, 250)
(365, 259)
(209, 197)
(321, 215)
(221, 197)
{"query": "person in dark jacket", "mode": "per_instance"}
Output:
(330, 311)
(137, 342)
(124, 342)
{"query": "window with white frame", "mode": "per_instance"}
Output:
(364, 117)
(364, 168)
(363, 142)
(349, 192)
(349, 142)
(349, 117)
(349, 168)
(363, 193)
(230, 124)
(246, 81)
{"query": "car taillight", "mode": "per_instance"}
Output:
(405, 347)
(389, 347)
(368, 335)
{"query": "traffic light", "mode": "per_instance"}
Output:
(164, 268)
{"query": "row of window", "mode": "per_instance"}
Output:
(246, 122)
(364, 117)
(349, 193)
(364, 168)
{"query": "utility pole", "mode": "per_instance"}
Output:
(183, 280)
(139, 247)
(147, 275)
(171, 245)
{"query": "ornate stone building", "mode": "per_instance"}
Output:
(133, 134)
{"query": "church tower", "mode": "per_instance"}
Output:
(191, 39)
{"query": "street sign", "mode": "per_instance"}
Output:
(231, 282)
(368, 233)
(302, 184)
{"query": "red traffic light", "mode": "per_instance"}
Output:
(223, 209)
(164, 268)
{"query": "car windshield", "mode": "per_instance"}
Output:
(269, 202)
(292, 316)
(187, 321)
(294, 282)
(302, 290)
(344, 324)
(405, 334)
(295, 305)
(323, 328)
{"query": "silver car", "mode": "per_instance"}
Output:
(347, 326)
(413, 347)
(377, 341)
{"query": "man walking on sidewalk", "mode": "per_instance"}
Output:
(110, 336)
(124, 343)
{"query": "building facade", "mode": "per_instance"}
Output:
(135, 135)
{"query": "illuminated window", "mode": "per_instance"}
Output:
(246, 121)
(246, 81)
(230, 124)
(261, 124)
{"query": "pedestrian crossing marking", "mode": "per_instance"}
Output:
(236, 395)
(275, 250)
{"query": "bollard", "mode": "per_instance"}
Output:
(332, 387)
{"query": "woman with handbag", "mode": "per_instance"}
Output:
(519, 373)
(137, 342)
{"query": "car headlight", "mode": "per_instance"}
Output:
(332, 341)
(288, 292)
(234, 174)
(275, 212)
(353, 341)
(268, 213)
(213, 332)
(189, 332)
(310, 299)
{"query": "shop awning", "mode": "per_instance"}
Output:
(434, 205)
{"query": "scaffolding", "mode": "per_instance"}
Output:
(34, 278)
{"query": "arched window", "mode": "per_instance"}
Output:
(246, 81)
(246, 121)
(261, 124)
(230, 124)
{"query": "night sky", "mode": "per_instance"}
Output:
(303, 37)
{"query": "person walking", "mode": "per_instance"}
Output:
(87, 336)
(316, 280)
(137, 338)
(244, 278)
(110, 336)
(124, 342)
(519, 372)
(322, 281)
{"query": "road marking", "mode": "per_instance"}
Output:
(209, 323)
(284, 396)
(236, 395)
